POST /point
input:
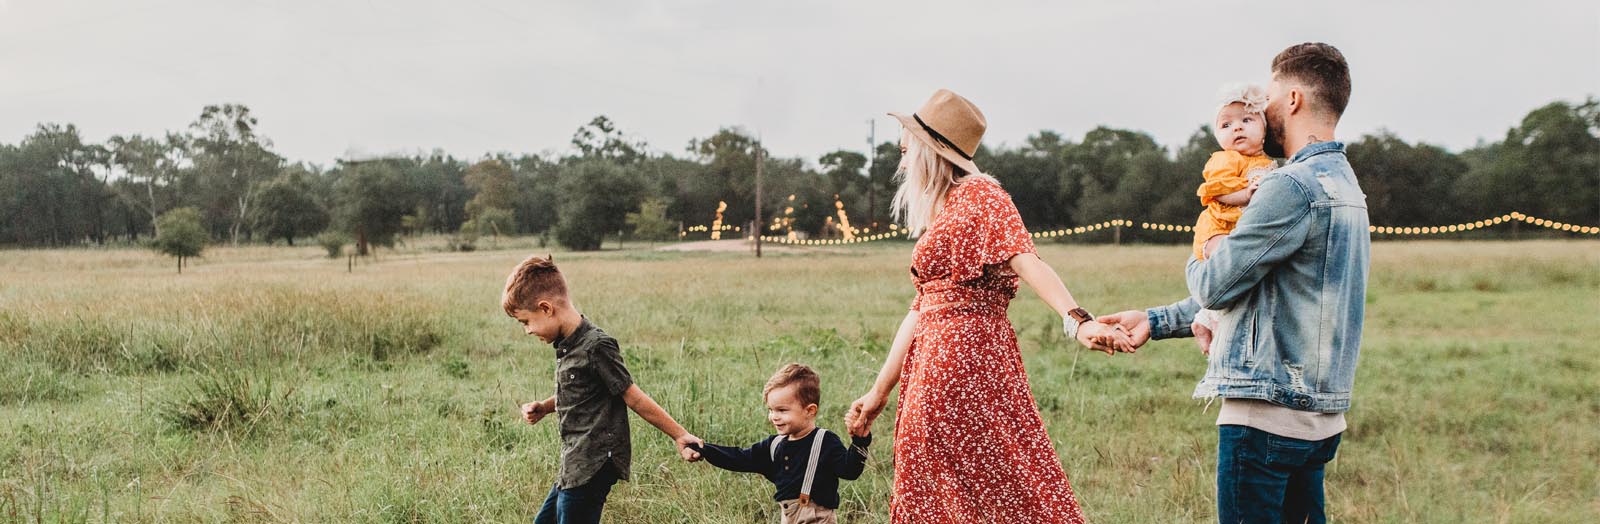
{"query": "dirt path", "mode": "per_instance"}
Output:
(736, 245)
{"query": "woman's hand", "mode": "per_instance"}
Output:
(863, 412)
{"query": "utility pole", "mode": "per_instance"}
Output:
(872, 186)
(758, 227)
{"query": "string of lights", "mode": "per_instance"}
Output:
(897, 232)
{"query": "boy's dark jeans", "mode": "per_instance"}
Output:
(1266, 478)
(580, 505)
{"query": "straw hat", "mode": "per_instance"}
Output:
(949, 124)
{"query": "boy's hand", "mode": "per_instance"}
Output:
(533, 411)
(683, 442)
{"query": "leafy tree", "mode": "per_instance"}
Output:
(181, 234)
(232, 161)
(1095, 167)
(600, 139)
(1032, 175)
(438, 184)
(369, 207)
(537, 195)
(729, 175)
(599, 196)
(151, 169)
(333, 242)
(493, 185)
(52, 188)
(845, 170)
(650, 222)
(286, 209)
(495, 221)
(1549, 166)
(1394, 174)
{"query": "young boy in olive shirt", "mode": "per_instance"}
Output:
(593, 391)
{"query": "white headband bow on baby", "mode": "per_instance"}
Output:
(1253, 97)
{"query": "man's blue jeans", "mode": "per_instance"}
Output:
(1270, 479)
(580, 505)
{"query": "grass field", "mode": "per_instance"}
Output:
(270, 385)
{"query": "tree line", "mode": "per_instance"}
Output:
(56, 189)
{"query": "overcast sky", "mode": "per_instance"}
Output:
(330, 79)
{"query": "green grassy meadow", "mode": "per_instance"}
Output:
(268, 384)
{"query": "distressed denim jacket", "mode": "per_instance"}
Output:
(1291, 284)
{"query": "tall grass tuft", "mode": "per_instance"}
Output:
(228, 403)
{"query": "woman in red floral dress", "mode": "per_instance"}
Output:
(969, 444)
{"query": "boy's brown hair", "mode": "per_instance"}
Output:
(533, 280)
(1321, 67)
(810, 385)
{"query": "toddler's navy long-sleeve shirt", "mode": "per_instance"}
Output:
(788, 472)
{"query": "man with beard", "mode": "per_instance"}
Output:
(1291, 283)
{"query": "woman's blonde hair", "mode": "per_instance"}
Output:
(924, 184)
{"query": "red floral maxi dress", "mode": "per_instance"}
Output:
(969, 444)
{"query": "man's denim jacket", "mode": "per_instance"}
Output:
(1291, 284)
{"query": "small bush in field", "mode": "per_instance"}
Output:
(333, 242)
(225, 402)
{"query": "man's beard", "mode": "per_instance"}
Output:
(1273, 145)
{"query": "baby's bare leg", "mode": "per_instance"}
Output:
(1213, 243)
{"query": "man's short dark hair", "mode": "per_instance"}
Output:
(1321, 68)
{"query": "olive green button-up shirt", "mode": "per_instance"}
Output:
(590, 381)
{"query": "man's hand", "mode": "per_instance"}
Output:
(1134, 322)
(684, 450)
(858, 419)
(532, 412)
(1202, 336)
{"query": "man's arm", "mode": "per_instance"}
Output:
(1271, 229)
(1172, 320)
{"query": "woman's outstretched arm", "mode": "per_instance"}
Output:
(1044, 281)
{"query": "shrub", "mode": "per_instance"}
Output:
(225, 402)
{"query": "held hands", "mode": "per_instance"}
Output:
(686, 444)
(532, 412)
(1135, 324)
(1110, 339)
(858, 420)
